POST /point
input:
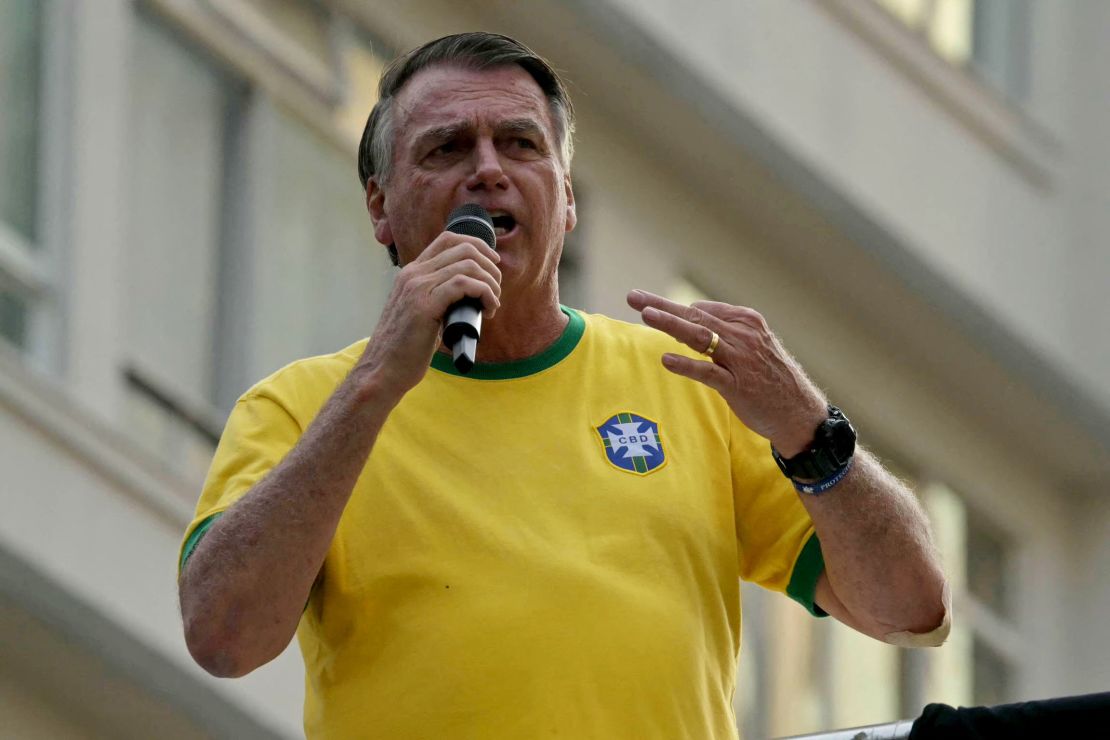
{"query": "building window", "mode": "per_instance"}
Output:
(991, 675)
(249, 245)
(988, 566)
(988, 37)
(980, 664)
(945, 24)
(20, 52)
(573, 288)
(317, 279)
(21, 42)
(184, 110)
(989, 587)
(13, 318)
(1001, 45)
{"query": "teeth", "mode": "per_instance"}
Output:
(500, 230)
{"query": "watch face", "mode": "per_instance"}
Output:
(834, 443)
(842, 437)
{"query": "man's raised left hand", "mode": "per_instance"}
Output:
(763, 385)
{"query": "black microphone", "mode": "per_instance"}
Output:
(462, 325)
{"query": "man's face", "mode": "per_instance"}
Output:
(485, 137)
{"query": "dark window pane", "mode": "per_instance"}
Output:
(20, 45)
(13, 319)
(988, 565)
(1001, 45)
(913, 677)
(990, 676)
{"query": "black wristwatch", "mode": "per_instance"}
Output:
(830, 452)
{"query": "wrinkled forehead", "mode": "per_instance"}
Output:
(449, 94)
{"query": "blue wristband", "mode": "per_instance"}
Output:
(821, 486)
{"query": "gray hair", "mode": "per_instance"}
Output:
(476, 50)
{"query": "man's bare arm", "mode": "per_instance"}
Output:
(245, 585)
(877, 548)
(882, 575)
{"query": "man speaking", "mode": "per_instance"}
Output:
(551, 543)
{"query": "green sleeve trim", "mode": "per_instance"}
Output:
(197, 535)
(195, 538)
(803, 582)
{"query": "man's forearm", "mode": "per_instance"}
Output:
(245, 586)
(879, 556)
(884, 575)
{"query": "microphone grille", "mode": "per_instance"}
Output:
(470, 219)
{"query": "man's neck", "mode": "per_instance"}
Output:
(520, 330)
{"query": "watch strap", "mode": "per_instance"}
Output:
(828, 456)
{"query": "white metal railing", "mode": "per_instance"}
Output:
(899, 730)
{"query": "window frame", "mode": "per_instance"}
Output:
(33, 271)
(999, 632)
(973, 620)
(188, 420)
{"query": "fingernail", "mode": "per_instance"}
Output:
(650, 312)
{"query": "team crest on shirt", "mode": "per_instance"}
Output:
(632, 443)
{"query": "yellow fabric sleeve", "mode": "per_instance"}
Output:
(258, 435)
(777, 547)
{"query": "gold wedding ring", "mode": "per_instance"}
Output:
(712, 345)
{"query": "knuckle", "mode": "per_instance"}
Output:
(441, 243)
(751, 316)
(704, 306)
(475, 246)
(406, 287)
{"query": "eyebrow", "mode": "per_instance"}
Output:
(519, 126)
(441, 133)
(452, 130)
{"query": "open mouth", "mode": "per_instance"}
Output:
(503, 224)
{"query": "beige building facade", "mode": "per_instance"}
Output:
(913, 193)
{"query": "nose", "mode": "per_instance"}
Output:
(488, 173)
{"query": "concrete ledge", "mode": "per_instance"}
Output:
(101, 672)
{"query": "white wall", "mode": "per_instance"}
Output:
(1086, 220)
(865, 125)
(104, 521)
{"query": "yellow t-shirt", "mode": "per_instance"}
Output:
(544, 548)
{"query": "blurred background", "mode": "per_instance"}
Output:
(914, 192)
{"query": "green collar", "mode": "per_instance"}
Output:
(528, 366)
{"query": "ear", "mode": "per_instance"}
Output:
(375, 205)
(572, 215)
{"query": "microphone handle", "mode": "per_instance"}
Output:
(464, 319)
(462, 324)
